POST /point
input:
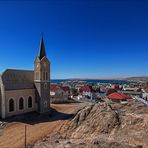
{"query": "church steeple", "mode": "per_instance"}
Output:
(42, 79)
(42, 52)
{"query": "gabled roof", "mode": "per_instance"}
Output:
(42, 52)
(86, 88)
(54, 87)
(18, 79)
(65, 88)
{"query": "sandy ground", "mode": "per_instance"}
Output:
(37, 127)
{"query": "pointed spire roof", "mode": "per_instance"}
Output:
(42, 52)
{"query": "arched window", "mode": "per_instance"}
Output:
(37, 77)
(11, 105)
(29, 102)
(45, 75)
(21, 103)
(45, 86)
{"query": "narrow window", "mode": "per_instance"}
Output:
(45, 86)
(30, 102)
(21, 103)
(46, 75)
(11, 105)
(37, 75)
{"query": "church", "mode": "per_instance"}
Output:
(24, 91)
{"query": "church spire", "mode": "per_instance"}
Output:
(42, 52)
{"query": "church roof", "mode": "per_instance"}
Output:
(18, 79)
(42, 52)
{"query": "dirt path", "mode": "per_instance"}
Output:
(13, 136)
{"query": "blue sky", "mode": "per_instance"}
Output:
(83, 38)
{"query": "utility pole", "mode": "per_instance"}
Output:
(25, 142)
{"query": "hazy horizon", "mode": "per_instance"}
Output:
(90, 78)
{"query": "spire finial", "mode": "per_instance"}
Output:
(42, 52)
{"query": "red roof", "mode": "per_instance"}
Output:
(118, 96)
(65, 88)
(86, 88)
(54, 87)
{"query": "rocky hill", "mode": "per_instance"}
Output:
(94, 126)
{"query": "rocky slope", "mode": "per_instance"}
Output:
(103, 127)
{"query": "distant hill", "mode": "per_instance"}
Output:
(134, 79)
(137, 79)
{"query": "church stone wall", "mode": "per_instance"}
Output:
(16, 95)
(43, 96)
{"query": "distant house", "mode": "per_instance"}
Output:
(110, 91)
(132, 93)
(66, 89)
(130, 88)
(58, 94)
(103, 89)
(115, 86)
(86, 91)
(119, 97)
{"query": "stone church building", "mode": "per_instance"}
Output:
(23, 91)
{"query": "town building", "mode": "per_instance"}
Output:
(119, 97)
(59, 94)
(86, 91)
(23, 91)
